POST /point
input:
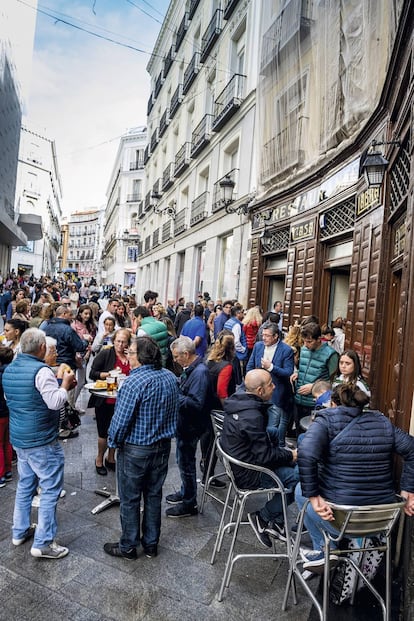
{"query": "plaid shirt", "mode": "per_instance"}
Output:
(146, 409)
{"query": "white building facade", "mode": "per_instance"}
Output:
(38, 205)
(83, 240)
(201, 136)
(124, 205)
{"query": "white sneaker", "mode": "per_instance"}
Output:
(53, 550)
(36, 499)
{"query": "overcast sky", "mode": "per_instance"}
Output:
(85, 92)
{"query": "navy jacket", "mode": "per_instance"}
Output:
(195, 400)
(283, 367)
(358, 467)
(68, 342)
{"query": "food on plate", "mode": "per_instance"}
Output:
(101, 384)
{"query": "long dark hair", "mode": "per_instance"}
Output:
(348, 395)
(90, 324)
(357, 373)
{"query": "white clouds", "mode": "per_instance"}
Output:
(86, 91)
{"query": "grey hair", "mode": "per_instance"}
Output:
(272, 327)
(32, 341)
(183, 344)
(50, 342)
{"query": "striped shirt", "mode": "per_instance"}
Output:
(146, 409)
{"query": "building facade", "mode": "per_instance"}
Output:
(81, 245)
(201, 128)
(119, 253)
(16, 45)
(38, 205)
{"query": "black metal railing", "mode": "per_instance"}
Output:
(147, 153)
(150, 104)
(168, 176)
(168, 60)
(211, 34)
(156, 188)
(192, 8)
(182, 29)
(182, 159)
(147, 204)
(176, 100)
(229, 7)
(179, 222)
(147, 243)
(156, 238)
(134, 197)
(228, 101)
(217, 203)
(201, 135)
(164, 122)
(154, 140)
(166, 231)
(158, 84)
(137, 165)
(191, 72)
(199, 208)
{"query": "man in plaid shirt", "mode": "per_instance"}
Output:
(141, 429)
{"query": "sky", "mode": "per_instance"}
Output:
(85, 92)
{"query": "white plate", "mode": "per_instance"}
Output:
(92, 386)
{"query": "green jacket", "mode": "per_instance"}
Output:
(318, 364)
(158, 331)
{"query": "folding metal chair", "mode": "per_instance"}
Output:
(357, 523)
(217, 417)
(240, 498)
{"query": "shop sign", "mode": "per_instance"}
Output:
(302, 230)
(368, 200)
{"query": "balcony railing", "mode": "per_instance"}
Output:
(147, 245)
(229, 101)
(166, 231)
(140, 244)
(137, 165)
(150, 104)
(154, 140)
(158, 84)
(199, 208)
(192, 8)
(147, 205)
(147, 153)
(176, 100)
(201, 135)
(182, 29)
(182, 159)
(156, 238)
(156, 188)
(286, 149)
(134, 198)
(168, 176)
(211, 34)
(179, 222)
(164, 122)
(217, 202)
(191, 72)
(141, 210)
(168, 60)
(229, 7)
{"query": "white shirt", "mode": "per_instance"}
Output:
(53, 395)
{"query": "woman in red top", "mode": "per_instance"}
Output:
(251, 324)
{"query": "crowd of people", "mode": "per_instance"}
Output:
(180, 361)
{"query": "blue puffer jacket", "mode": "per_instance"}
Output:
(357, 468)
(31, 422)
(68, 342)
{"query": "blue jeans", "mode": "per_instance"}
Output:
(278, 420)
(313, 522)
(42, 465)
(272, 511)
(141, 470)
(186, 452)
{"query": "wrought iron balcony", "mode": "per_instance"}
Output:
(156, 238)
(134, 198)
(154, 140)
(147, 153)
(147, 205)
(182, 159)
(164, 122)
(168, 176)
(211, 34)
(201, 135)
(137, 165)
(150, 104)
(156, 188)
(179, 222)
(141, 209)
(192, 8)
(217, 201)
(182, 29)
(168, 60)
(166, 231)
(147, 245)
(158, 84)
(199, 208)
(229, 7)
(191, 72)
(229, 101)
(176, 100)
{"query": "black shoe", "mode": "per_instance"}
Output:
(174, 499)
(181, 510)
(150, 551)
(259, 526)
(113, 549)
(110, 465)
(276, 530)
(101, 470)
(214, 483)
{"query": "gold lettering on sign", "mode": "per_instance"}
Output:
(367, 200)
(302, 230)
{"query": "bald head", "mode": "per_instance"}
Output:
(259, 382)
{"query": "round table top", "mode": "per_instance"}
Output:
(101, 393)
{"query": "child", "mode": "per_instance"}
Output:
(6, 356)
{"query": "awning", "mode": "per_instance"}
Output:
(31, 225)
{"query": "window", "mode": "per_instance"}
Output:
(238, 50)
(226, 281)
(132, 254)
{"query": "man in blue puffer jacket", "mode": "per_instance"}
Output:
(34, 399)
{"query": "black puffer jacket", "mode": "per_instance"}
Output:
(357, 468)
(244, 437)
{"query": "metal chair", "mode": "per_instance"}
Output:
(357, 523)
(240, 498)
(217, 417)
